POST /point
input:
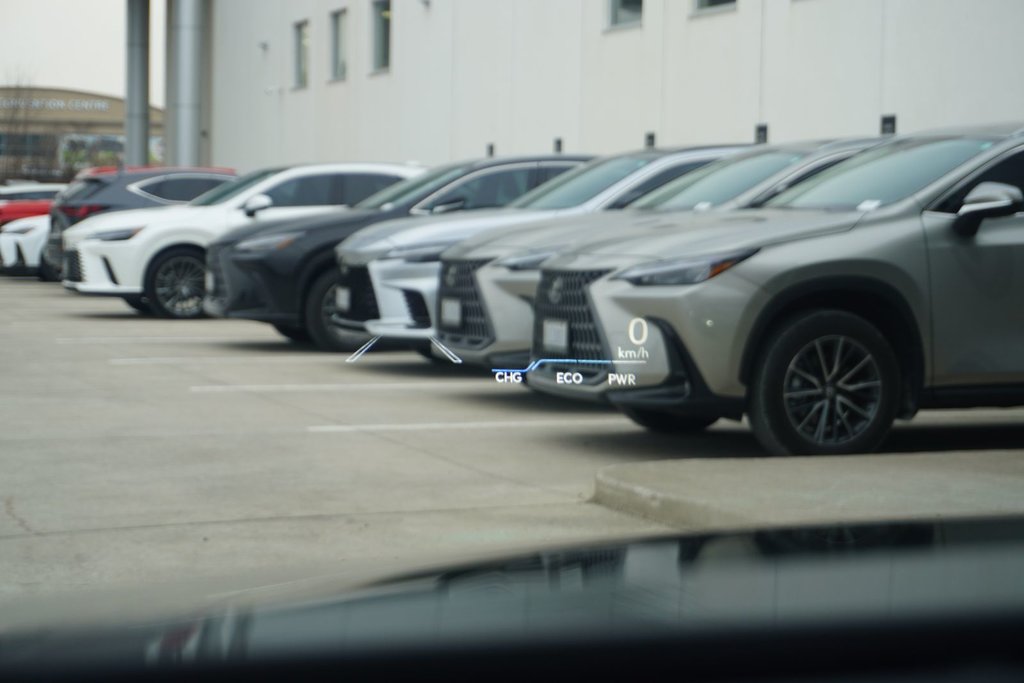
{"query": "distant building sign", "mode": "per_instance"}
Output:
(54, 104)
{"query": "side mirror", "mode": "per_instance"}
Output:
(987, 200)
(454, 204)
(257, 203)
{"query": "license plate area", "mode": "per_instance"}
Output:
(451, 312)
(555, 335)
(342, 298)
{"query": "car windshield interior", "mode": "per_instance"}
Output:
(581, 184)
(881, 176)
(229, 190)
(717, 182)
(413, 189)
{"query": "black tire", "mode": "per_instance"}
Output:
(296, 334)
(139, 304)
(317, 309)
(667, 423)
(828, 372)
(176, 283)
(47, 273)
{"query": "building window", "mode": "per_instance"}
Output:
(381, 35)
(713, 4)
(338, 66)
(625, 12)
(301, 54)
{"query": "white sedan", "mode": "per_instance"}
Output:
(155, 258)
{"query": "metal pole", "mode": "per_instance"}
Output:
(136, 101)
(186, 33)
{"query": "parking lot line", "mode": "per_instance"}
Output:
(75, 341)
(440, 426)
(234, 360)
(433, 385)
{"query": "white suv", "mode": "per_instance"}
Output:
(155, 258)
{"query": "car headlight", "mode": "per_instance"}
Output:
(269, 242)
(683, 271)
(19, 230)
(419, 253)
(529, 261)
(117, 235)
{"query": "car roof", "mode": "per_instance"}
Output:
(145, 171)
(1009, 129)
(488, 162)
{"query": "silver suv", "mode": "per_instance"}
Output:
(496, 274)
(888, 283)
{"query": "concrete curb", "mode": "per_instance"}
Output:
(730, 493)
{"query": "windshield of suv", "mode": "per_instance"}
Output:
(222, 193)
(883, 175)
(581, 184)
(718, 182)
(414, 189)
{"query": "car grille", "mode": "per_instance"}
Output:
(417, 309)
(562, 295)
(363, 301)
(73, 266)
(458, 281)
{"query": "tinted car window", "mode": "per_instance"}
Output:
(489, 189)
(180, 189)
(413, 189)
(582, 184)
(28, 194)
(883, 175)
(718, 182)
(219, 195)
(1009, 171)
(654, 182)
(314, 190)
(549, 171)
(357, 187)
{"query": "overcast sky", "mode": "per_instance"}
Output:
(78, 44)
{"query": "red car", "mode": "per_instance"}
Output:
(24, 200)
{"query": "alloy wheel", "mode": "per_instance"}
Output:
(180, 286)
(832, 390)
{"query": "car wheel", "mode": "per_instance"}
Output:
(296, 334)
(827, 383)
(319, 308)
(139, 304)
(175, 283)
(667, 423)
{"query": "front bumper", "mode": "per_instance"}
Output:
(503, 299)
(390, 298)
(244, 286)
(672, 349)
(20, 253)
(99, 268)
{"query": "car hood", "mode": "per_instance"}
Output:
(353, 217)
(416, 231)
(556, 233)
(695, 233)
(699, 583)
(156, 215)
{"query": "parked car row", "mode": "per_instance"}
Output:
(818, 289)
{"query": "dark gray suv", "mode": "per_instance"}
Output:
(888, 283)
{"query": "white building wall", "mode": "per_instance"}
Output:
(519, 73)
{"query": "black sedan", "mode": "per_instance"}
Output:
(284, 273)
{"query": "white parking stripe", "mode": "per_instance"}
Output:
(431, 385)
(441, 426)
(234, 360)
(76, 341)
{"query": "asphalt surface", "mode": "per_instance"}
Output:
(138, 453)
